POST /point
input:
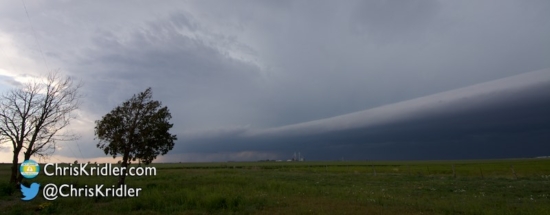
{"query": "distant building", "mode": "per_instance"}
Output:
(297, 157)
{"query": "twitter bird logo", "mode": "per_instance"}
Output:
(30, 192)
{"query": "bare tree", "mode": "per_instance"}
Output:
(32, 116)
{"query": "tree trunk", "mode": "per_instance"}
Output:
(124, 164)
(122, 177)
(14, 166)
(27, 157)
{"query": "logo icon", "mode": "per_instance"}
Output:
(29, 169)
(29, 192)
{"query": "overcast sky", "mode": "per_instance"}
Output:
(250, 80)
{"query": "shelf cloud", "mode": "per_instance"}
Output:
(251, 80)
(475, 121)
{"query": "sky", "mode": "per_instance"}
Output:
(333, 80)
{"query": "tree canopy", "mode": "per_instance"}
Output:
(136, 130)
(32, 116)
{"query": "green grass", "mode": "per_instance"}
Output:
(423, 187)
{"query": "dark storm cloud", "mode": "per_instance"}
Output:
(390, 20)
(181, 68)
(184, 70)
(9, 81)
(252, 72)
(491, 119)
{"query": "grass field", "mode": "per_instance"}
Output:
(427, 187)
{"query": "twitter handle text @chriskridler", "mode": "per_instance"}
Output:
(52, 191)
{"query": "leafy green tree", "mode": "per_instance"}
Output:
(137, 130)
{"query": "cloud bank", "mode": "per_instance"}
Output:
(357, 79)
(472, 122)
